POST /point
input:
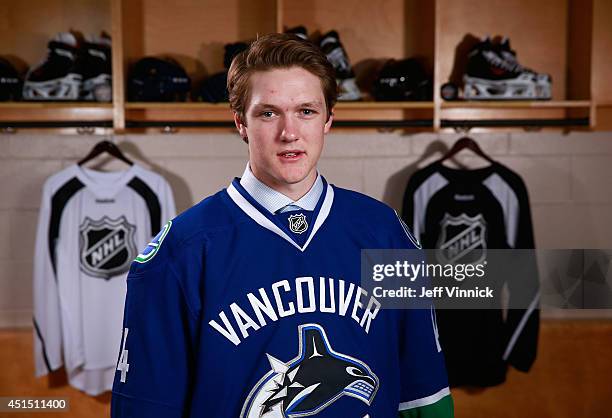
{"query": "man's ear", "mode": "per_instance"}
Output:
(241, 127)
(328, 124)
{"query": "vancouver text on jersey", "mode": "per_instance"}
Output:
(285, 298)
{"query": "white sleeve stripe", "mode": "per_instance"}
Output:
(412, 239)
(521, 325)
(422, 196)
(428, 400)
(509, 203)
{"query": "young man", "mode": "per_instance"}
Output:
(248, 304)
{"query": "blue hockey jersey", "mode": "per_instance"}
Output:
(232, 311)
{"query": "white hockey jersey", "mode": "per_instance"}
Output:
(91, 226)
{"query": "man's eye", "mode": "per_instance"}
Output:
(267, 114)
(308, 112)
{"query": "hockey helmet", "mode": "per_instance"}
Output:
(158, 80)
(231, 50)
(10, 82)
(214, 88)
(402, 80)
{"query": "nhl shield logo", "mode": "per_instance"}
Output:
(298, 224)
(462, 239)
(107, 246)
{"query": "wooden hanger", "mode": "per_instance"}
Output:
(466, 143)
(108, 147)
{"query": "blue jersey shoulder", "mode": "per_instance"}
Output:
(186, 234)
(372, 215)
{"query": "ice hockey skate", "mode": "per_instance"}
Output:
(56, 78)
(493, 73)
(337, 56)
(96, 68)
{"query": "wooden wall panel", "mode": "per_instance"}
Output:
(570, 378)
(367, 29)
(371, 32)
(579, 49)
(537, 29)
(197, 32)
(17, 379)
(602, 45)
(26, 26)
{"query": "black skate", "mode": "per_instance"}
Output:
(95, 65)
(336, 55)
(55, 78)
(491, 76)
(543, 81)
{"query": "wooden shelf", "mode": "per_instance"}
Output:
(47, 111)
(220, 111)
(523, 104)
(340, 105)
(566, 39)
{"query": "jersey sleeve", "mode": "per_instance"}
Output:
(47, 316)
(424, 391)
(409, 215)
(168, 207)
(156, 358)
(522, 325)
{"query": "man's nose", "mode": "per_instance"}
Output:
(289, 129)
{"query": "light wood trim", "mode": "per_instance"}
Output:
(39, 112)
(176, 106)
(118, 65)
(280, 4)
(385, 105)
(554, 104)
(340, 105)
(54, 105)
(593, 115)
(221, 112)
(437, 72)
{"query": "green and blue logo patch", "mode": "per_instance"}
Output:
(151, 249)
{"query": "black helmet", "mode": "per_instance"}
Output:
(214, 88)
(158, 80)
(402, 80)
(10, 82)
(231, 50)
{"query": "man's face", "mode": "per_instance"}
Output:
(286, 120)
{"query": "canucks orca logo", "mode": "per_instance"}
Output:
(151, 249)
(298, 224)
(311, 382)
(106, 246)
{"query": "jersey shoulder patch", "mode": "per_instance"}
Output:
(153, 247)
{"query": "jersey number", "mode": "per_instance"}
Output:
(123, 365)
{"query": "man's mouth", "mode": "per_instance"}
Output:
(291, 155)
